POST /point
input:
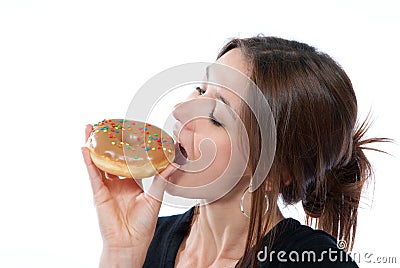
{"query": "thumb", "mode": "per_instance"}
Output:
(160, 183)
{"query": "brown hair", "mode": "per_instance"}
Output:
(319, 143)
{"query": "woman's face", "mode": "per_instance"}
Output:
(209, 129)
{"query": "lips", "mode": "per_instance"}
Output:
(180, 154)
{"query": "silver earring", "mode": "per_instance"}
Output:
(242, 201)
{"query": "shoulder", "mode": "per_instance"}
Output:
(291, 244)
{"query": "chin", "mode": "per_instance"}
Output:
(188, 185)
(184, 192)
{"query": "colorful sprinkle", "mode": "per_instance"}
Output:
(113, 126)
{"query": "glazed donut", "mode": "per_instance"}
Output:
(115, 144)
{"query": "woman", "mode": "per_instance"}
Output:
(318, 160)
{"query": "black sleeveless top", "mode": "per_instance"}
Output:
(294, 245)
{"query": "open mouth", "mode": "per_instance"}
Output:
(180, 154)
(183, 151)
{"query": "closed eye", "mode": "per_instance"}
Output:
(211, 116)
(214, 121)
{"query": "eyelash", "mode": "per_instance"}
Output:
(212, 118)
(214, 121)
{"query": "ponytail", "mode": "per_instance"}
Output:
(333, 203)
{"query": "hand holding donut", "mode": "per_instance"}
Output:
(127, 215)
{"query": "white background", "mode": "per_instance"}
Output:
(64, 64)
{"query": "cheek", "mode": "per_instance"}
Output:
(214, 167)
(212, 147)
(216, 153)
(223, 155)
(211, 154)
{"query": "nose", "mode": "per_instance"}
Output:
(181, 113)
(186, 112)
(177, 111)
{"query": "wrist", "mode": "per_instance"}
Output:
(127, 257)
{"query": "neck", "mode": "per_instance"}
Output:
(220, 230)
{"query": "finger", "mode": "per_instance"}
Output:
(88, 131)
(95, 176)
(160, 182)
